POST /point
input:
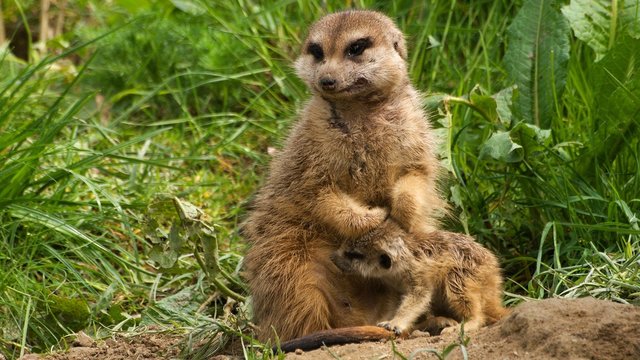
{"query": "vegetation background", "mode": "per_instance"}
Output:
(134, 132)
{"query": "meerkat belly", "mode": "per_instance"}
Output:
(368, 176)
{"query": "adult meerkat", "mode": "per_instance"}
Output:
(361, 151)
(438, 273)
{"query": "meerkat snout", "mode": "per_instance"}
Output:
(328, 83)
(350, 259)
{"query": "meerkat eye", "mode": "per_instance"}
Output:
(357, 47)
(353, 255)
(385, 261)
(316, 51)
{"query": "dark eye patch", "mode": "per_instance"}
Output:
(385, 261)
(316, 51)
(357, 47)
(353, 255)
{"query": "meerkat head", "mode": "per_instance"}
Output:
(371, 257)
(353, 53)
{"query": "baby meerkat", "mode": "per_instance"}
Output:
(439, 273)
(362, 150)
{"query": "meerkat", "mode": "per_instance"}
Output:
(361, 151)
(438, 273)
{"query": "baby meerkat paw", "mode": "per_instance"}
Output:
(450, 330)
(397, 330)
(469, 326)
(434, 325)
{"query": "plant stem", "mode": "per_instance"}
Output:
(44, 21)
(459, 100)
(3, 36)
(61, 8)
(613, 24)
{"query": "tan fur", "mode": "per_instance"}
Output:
(361, 151)
(438, 273)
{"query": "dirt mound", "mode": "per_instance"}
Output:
(546, 329)
(554, 328)
(566, 329)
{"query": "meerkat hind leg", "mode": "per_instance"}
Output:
(413, 305)
(472, 313)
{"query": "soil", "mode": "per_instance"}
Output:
(149, 346)
(546, 329)
(549, 329)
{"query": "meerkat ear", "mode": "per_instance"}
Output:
(399, 44)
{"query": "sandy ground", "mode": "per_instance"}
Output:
(151, 346)
(548, 329)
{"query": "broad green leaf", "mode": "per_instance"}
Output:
(630, 21)
(485, 104)
(189, 6)
(616, 85)
(600, 22)
(165, 258)
(536, 59)
(186, 301)
(502, 148)
(433, 100)
(503, 105)
(456, 196)
(532, 139)
(617, 82)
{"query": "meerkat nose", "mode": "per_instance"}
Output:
(328, 83)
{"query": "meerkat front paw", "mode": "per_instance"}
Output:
(374, 216)
(397, 329)
(362, 221)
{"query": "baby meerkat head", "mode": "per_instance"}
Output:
(353, 54)
(371, 258)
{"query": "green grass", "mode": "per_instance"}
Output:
(96, 141)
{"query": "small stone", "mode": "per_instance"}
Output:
(299, 352)
(83, 340)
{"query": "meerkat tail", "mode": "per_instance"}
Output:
(340, 336)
